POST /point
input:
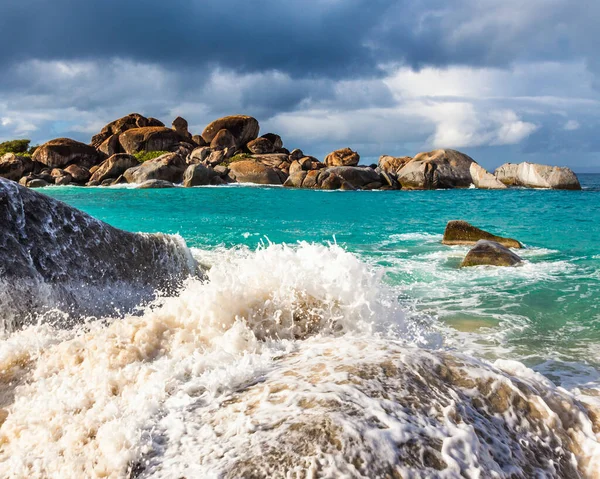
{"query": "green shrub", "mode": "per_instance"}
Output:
(148, 155)
(18, 147)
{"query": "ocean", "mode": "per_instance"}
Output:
(306, 285)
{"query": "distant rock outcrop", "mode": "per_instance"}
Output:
(437, 169)
(533, 175)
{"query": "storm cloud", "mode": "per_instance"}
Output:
(501, 80)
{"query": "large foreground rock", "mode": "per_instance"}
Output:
(61, 152)
(54, 256)
(437, 169)
(462, 233)
(490, 253)
(243, 128)
(168, 167)
(250, 171)
(533, 175)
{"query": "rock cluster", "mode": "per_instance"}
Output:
(137, 149)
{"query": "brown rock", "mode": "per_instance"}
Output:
(180, 125)
(260, 146)
(198, 175)
(393, 164)
(243, 128)
(295, 179)
(199, 155)
(64, 151)
(114, 166)
(343, 157)
(250, 171)
(275, 140)
(128, 122)
(222, 140)
(155, 184)
(295, 167)
(437, 169)
(491, 253)
(358, 177)
(154, 138)
(79, 174)
(14, 166)
(462, 233)
(199, 140)
(296, 154)
(111, 146)
(168, 167)
(310, 181)
(63, 180)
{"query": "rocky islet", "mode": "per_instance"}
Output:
(136, 149)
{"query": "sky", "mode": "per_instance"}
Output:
(501, 80)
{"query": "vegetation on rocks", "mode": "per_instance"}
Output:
(18, 147)
(235, 158)
(148, 155)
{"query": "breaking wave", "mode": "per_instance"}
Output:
(286, 361)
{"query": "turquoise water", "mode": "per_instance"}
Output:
(545, 313)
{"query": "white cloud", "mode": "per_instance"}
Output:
(571, 125)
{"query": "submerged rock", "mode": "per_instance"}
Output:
(533, 175)
(491, 253)
(55, 256)
(459, 232)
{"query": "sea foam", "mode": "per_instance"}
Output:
(285, 361)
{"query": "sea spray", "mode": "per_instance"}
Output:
(282, 362)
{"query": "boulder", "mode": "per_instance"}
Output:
(114, 166)
(199, 140)
(275, 140)
(154, 184)
(199, 155)
(198, 175)
(274, 160)
(483, 179)
(168, 167)
(486, 252)
(114, 128)
(215, 158)
(37, 183)
(437, 169)
(243, 128)
(295, 166)
(64, 151)
(63, 180)
(55, 256)
(13, 167)
(180, 125)
(296, 154)
(222, 140)
(462, 233)
(79, 174)
(111, 146)
(295, 179)
(311, 179)
(155, 138)
(393, 164)
(533, 175)
(358, 177)
(343, 157)
(250, 171)
(260, 146)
